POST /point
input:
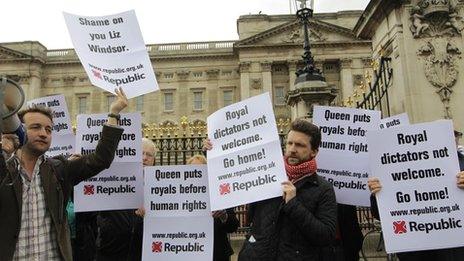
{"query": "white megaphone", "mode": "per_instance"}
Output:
(12, 99)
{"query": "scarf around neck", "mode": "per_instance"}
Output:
(296, 172)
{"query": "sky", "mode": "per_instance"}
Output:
(161, 21)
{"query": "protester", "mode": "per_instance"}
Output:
(83, 229)
(34, 189)
(349, 236)
(301, 223)
(450, 254)
(121, 231)
(225, 221)
(460, 149)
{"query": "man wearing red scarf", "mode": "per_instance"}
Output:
(300, 224)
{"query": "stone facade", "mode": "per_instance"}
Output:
(196, 79)
(424, 39)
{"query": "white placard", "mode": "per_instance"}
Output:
(172, 191)
(88, 133)
(246, 163)
(61, 120)
(420, 205)
(112, 52)
(394, 121)
(62, 145)
(119, 187)
(343, 154)
(180, 238)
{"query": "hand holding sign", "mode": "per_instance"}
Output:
(120, 103)
(374, 185)
(117, 105)
(289, 191)
(460, 177)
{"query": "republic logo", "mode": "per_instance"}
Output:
(157, 247)
(89, 189)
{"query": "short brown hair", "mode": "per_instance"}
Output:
(36, 108)
(306, 127)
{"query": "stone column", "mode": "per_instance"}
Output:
(244, 80)
(32, 83)
(346, 78)
(266, 73)
(292, 66)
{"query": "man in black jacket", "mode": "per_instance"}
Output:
(120, 232)
(34, 189)
(457, 137)
(300, 224)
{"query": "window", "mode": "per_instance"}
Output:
(109, 100)
(168, 75)
(228, 97)
(82, 105)
(198, 100)
(197, 74)
(168, 102)
(139, 103)
(279, 96)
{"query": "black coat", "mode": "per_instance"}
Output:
(449, 254)
(297, 230)
(350, 232)
(461, 161)
(222, 249)
(120, 235)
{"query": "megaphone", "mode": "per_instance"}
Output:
(11, 100)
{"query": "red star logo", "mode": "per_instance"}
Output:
(224, 188)
(97, 74)
(399, 227)
(89, 189)
(156, 247)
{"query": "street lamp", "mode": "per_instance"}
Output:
(309, 72)
(310, 87)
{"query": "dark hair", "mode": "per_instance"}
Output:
(36, 108)
(457, 134)
(309, 129)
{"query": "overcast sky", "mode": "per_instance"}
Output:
(161, 21)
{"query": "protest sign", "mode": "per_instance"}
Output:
(246, 162)
(88, 133)
(61, 120)
(62, 145)
(420, 205)
(63, 139)
(172, 191)
(180, 238)
(394, 121)
(343, 153)
(119, 187)
(112, 52)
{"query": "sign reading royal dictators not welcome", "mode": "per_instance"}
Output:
(420, 205)
(246, 163)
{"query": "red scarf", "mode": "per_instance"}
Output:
(297, 172)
